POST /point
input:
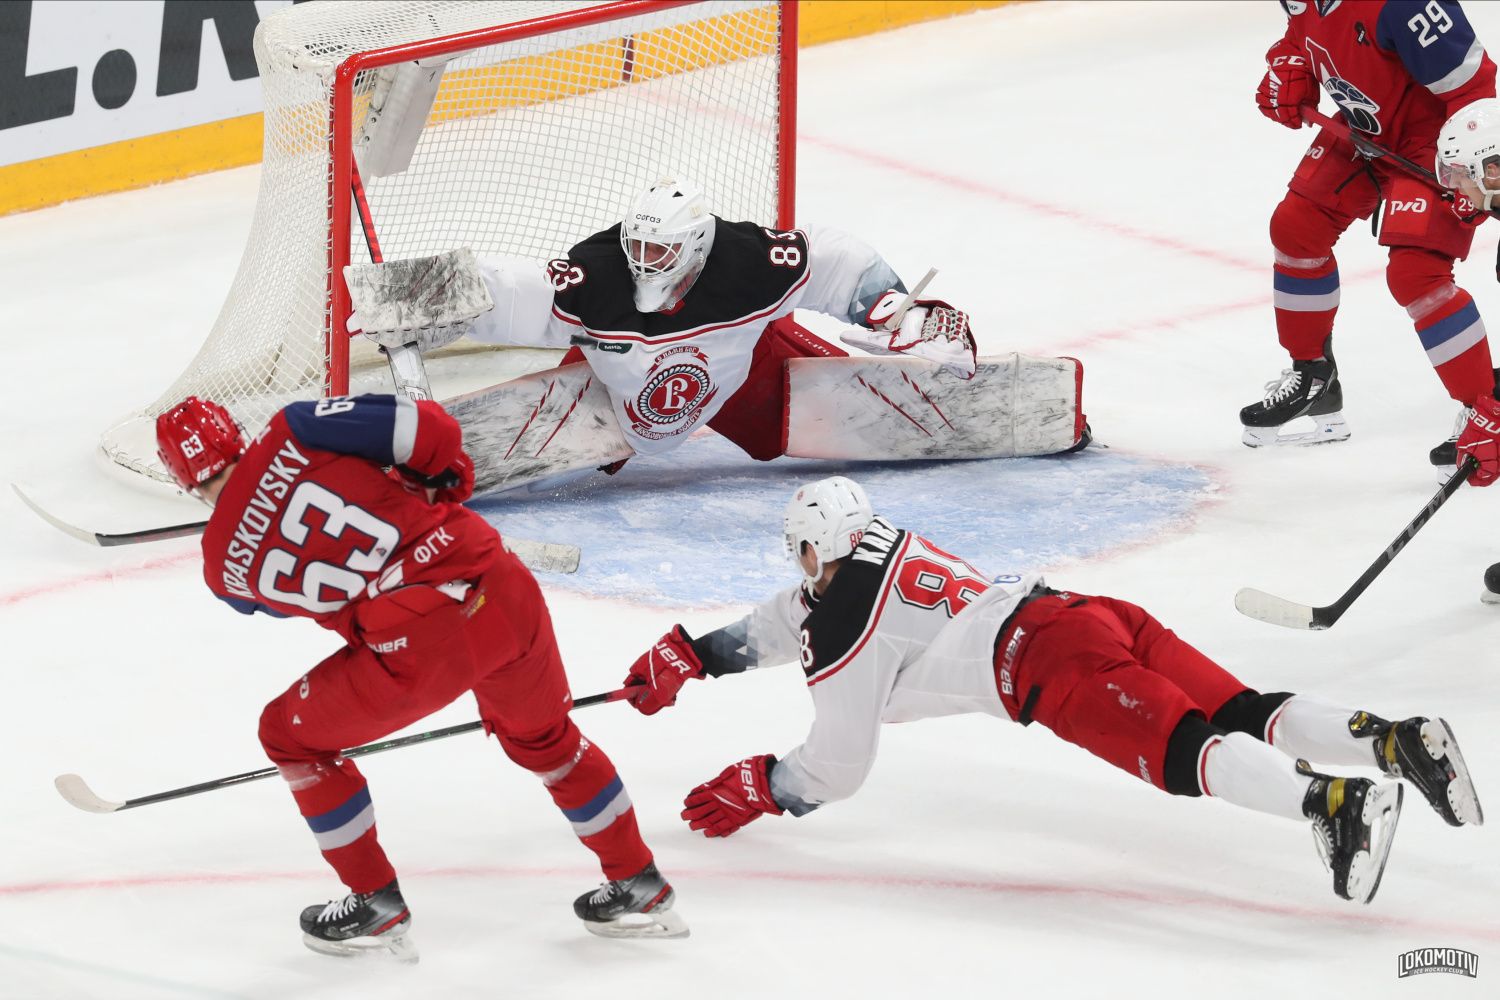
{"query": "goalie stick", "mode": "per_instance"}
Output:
(1275, 610)
(543, 557)
(79, 794)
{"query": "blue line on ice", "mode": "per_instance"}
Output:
(702, 526)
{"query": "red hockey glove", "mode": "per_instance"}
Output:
(738, 795)
(455, 484)
(930, 329)
(1480, 438)
(661, 671)
(439, 442)
(1287, 85)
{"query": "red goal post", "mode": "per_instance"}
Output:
(542, 119)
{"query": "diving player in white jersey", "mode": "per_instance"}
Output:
(890, 628)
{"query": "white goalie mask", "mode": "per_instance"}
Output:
(1468, 153)
(666, 236)
(830, 515)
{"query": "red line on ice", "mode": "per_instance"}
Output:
(1092, 221)
(1173, 898)
(15, 597)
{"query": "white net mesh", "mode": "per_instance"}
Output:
(530, 145)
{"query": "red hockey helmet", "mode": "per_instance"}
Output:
(196, 440)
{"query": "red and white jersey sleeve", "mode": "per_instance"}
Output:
(845, 275)
(905, 631)
(522, 315)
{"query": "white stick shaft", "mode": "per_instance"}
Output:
(909, 301)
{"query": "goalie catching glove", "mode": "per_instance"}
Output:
(930, 329)
(740, 794)
(659, 673)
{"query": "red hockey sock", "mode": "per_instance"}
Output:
(1446, 319)
(593, 798)
(1307, 299)
(335, 801)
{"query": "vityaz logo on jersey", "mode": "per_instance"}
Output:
(677, 388)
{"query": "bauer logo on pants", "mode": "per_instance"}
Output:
(1420, 961)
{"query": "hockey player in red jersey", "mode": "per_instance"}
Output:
(1468, 161)
(1396, 70)
(890, 628)
(349, 511)
(686, 319)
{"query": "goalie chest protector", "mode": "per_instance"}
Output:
(669, 373)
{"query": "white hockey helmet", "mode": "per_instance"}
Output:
(1468, 152)
(830, 515)
(666, 236)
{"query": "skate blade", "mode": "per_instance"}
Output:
(399, 948)
(1328, 428)
(1462, 798)
(1382, 809)
(660, 924)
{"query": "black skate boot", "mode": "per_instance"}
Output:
(1426, 754)
(1354, 822)
(1444, 458)
(361, 924)
(1307, 389)
(646, 894)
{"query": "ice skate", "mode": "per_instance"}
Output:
(1354, 822)
(1444, 458)
(1307, 389)
(638, 906)
(1425, 752)
(361, 924)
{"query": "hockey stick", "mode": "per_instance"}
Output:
(1279, 611)
(544, 557)
(408, 372)
(1373, 150)
(894, 320)
(78, 793)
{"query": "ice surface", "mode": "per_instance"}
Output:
(1091, 179)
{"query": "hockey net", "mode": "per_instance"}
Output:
(549, 118)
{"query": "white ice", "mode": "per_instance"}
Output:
(1091, 179)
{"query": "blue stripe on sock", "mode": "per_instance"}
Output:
(1447, 329)
(596, 805)
(335, 818)
(1294, 285)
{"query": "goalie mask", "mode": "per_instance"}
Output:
(1468, 153)
(666, 237)
(830, 515)
(196, 440)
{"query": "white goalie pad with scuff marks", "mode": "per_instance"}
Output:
(902, 408)
(538, 426)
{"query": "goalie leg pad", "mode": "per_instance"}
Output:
(878, 409)
(537, 427)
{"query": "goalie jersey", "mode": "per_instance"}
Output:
(669, 373)
(904, 631)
